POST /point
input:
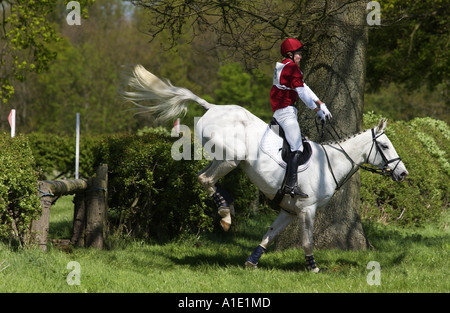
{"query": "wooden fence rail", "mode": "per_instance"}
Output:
(90, 209)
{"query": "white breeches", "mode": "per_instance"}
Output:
(287, 118)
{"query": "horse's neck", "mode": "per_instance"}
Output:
(346, 155)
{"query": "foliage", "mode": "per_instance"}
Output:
(400, 104)
(55, 155)
(26, 36)
(154, 196)
(424, 145)
(410, 47)
(234, 85)
(80, 80)
(150, 193)
(237, 86)
(19, 203)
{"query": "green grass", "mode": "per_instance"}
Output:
(412, 260)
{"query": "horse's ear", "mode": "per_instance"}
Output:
(381, 125)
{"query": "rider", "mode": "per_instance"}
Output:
(288, 86)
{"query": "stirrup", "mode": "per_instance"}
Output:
(294, 191)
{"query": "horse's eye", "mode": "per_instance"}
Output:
(384, 147)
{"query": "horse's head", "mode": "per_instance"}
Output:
(383, 154)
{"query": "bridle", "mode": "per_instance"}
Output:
(384, 170)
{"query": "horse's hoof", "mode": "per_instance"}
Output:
(225, 225)
(318, 270)
(225, 222)
(250, 265)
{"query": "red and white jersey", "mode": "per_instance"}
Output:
(286, 78)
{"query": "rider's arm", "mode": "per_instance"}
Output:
(309, 97)
(313, 95)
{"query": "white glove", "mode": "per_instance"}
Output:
(325, 111)
(321, 115)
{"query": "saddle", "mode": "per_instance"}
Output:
(285, 149)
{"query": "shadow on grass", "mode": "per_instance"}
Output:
(394, 244)
(386, 238)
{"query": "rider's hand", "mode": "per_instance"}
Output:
(321, 115)
(325, 111)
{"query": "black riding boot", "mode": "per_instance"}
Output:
(291, 187)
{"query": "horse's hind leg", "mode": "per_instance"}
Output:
(208, 178)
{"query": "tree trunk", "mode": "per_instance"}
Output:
(335, 62)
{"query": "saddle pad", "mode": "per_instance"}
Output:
(271, 144)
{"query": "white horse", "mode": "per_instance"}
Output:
(236, 135)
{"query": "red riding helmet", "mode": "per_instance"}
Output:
(290, 45)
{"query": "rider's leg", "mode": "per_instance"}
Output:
(291, 176)
(287, 118)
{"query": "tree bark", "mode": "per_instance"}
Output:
(335, 62)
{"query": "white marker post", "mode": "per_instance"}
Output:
(77, 147)
(12, 122)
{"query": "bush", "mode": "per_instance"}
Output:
(423, 144)
(150, 194)
(153, 195)
(19, 202)
(55, 155)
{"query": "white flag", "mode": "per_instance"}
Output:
(176, 126)
(12, 122)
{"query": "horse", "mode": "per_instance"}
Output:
(237, 136)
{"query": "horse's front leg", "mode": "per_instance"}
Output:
(306, 219)
(281, 222)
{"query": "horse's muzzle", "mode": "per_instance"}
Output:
(400, 177)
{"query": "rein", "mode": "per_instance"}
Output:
(385, 171)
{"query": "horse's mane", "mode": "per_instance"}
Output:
(330, 142)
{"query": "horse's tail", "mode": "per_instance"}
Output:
(163, 100)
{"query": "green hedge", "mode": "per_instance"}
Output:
(424, 145)
(153, 195)
(55, 155)
(19, 202)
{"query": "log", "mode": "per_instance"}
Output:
(67, 186)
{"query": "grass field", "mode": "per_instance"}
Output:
(410, 260)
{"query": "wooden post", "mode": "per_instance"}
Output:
(91, 206)
(96, 207)
(39, 228)
(79, 219)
